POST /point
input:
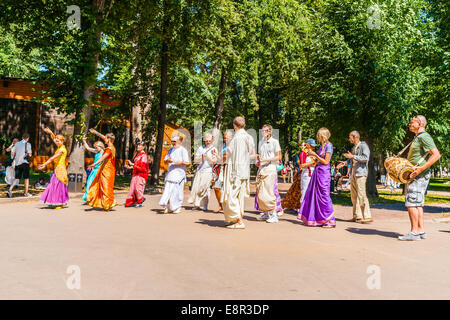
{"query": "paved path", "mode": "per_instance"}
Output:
(132, 253)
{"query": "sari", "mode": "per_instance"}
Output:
(101, 192)
(317, 208)
(92, 174)
(138, 180)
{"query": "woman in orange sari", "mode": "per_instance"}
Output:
(101, 191)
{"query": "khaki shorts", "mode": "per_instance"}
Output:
(415, 191)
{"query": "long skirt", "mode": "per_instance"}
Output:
(292, 198)
(173, 195)
(136, 193)
(200, 188)
(101, 191)
(265, 198)
(56, 193)
(89, 182)
(317, 208)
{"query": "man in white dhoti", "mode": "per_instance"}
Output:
(207, 156)
(236, 178)
(269, 155)
(178, 160)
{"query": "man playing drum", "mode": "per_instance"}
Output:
(415, 193)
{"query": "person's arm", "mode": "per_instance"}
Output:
(98, 134)
(105, 155)
(185, 161)
(45, 164)
(47, 130)
(212, 160)
(435, 156)
(9, 148)
(323, 161)
(86, 146)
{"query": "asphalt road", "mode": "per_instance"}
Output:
(138, 253)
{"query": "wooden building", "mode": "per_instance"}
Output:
(19, 114)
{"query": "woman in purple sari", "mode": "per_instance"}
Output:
(317, 208)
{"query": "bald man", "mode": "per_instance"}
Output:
(422, 154)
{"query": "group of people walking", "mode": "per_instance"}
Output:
(228, 173)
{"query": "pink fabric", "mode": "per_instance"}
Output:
(136, 194)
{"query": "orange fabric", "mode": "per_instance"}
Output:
(101, 191)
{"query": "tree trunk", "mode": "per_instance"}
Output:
(220, 100)
(371, 185)
(162, 104)
(81, 127)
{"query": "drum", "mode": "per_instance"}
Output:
(399, 169)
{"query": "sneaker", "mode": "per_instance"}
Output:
(28, 195)
(205, 208)
(273, 219)
(177, 211)
(166, 210)
(422, 235)
(409, 237)
(9, 193)
(263, 217)
(138, 205)
(280, 213)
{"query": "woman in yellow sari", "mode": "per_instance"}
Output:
(56, 194)
(101, 191)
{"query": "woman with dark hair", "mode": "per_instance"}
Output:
(56, 194)
(101, 192)
(135, 197)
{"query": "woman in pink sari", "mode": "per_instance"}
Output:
(135, 197)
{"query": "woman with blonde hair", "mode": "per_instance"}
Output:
(98, 149)
(317, 208)
(56, 194)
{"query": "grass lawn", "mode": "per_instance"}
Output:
(387, 197)
(440, 184)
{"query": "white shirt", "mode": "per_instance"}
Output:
(176, 172)
(19, 152)
(206, 165)
(239, 149)
(305, 171)
(268, 149)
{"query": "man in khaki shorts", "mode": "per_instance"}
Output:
(421, 146)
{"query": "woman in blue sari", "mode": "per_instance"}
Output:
(98, 149)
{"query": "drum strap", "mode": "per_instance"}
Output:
(403, 150)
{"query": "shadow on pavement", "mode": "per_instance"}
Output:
(213, 223)
(448, 231)
(374, 232)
